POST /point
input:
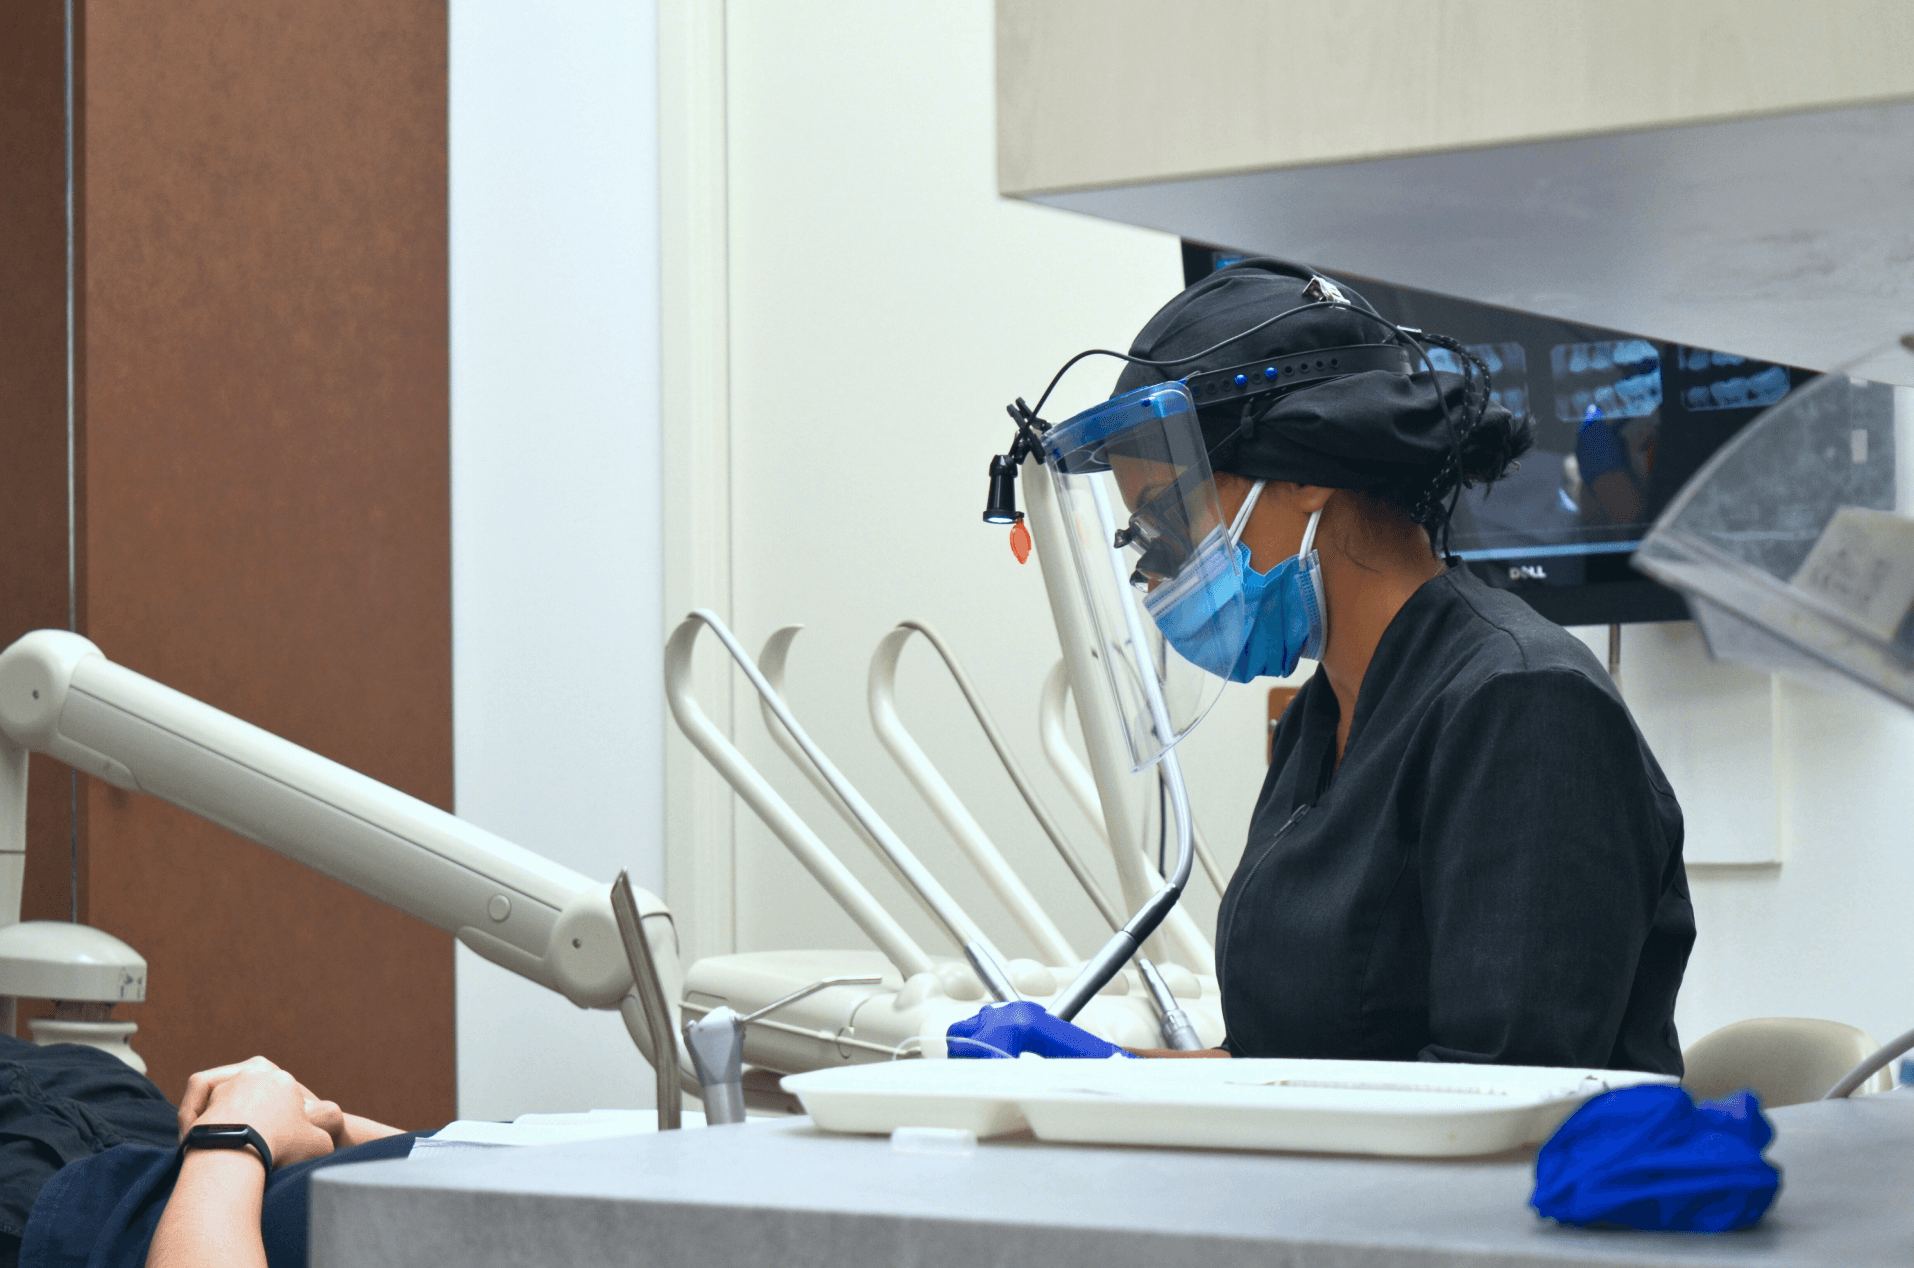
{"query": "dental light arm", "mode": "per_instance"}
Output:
(59, 695)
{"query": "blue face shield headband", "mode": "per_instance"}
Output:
(1238, 623)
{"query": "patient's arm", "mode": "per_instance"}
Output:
(212, 1218)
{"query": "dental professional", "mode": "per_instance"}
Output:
(1463, 849)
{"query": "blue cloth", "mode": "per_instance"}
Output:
(101, 1212)
(1010, 1030)
(1649, 1157)
(60, 1104)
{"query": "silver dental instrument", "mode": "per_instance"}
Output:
(1178, 1033)
(716, 1043)
(652, 1000)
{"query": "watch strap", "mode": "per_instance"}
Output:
(227, 1136)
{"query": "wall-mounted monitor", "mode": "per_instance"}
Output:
(1620, 423)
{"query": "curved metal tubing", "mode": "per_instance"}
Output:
(1208, 860)
(1875, 1062)
(1177, 1030)
(864, 820)
(1203, 856)
(771, 661)
(943, 800)
(844, 888)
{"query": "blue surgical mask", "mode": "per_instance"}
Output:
(1202, 611)
(1238, 623)
(1288, 619)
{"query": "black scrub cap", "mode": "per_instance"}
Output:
(1376, 431)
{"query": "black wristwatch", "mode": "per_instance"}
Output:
(226, 1136)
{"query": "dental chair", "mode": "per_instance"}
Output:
(1785, 1060)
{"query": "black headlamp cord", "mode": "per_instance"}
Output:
(1002, 506)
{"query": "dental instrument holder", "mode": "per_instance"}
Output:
(1125, 942)
(964, 934)
(716, 1043)
(652, 1002)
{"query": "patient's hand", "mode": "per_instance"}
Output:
(345, 1129)
(212, 1218)
(296, 1124)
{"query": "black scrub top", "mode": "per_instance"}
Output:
(1492, 874)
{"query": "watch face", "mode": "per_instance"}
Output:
(216, 1134)
(228, 1136)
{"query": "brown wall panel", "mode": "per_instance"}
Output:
(33, 424)
(266, 503)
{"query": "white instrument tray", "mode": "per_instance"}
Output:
(1415, 1109)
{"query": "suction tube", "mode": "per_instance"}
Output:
(1124, 943)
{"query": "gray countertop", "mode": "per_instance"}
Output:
(784, 1193)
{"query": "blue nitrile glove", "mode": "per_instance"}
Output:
(1649, 1157)
(1599, 448)
(1010, 1030)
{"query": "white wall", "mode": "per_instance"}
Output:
(1814, 778)
(886, 305)
(555, 486)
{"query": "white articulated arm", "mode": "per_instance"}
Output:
(60, 696)
(1102, 728)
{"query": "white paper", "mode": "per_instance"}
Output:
(545, 1129)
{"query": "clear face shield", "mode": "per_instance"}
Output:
(1154, 557)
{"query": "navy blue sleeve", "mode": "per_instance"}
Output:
(60, 1104)
(102, 1212)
